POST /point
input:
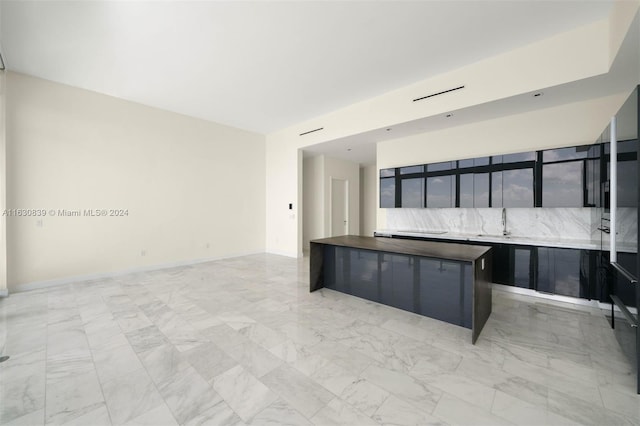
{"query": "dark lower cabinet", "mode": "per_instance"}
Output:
(514, 265)
(570, 272)
(619, 285)
(560, 272)
(399, 271)
(522, 266)
(363, 273)
(436, 292)
(440, 289)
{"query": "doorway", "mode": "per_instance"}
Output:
(339, 223)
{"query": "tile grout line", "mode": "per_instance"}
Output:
(96, 370)
(155, 386)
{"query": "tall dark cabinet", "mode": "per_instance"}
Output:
(623, 275)
(637, 266)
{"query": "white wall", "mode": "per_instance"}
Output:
(368, 199)
(313, 199)
(283, 183)
(318, 172)
(3, 186)
(566, 125)
(193, 189)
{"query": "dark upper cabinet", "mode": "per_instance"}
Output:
(593, 183)
(570, 177)
(474, 190)
(411, 170)
(441, 191)
(474, 162)
(514, 158)
(564, 177)
(512, 188)
(627, 172)
(437, 167)
(562, 184)
(412, 192)
(387, 188)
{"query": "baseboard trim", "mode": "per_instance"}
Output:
(558, 298)
(285, 253)
(38, 285)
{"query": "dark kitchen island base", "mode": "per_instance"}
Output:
(445, 281)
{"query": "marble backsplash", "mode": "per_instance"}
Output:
(563, 223)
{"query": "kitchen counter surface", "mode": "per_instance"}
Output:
(509, 239)
(441, 250)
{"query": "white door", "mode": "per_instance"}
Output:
(339, 207)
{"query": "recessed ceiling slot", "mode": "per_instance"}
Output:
(439, 93)
(311, 131)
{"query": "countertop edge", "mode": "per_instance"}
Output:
(575, 244)
(433, 249)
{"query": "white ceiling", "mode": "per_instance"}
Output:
(265, 65)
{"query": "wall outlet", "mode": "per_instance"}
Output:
(39, 223)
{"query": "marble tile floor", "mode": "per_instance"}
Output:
(242, 342)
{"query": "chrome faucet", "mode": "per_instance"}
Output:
(504, 222)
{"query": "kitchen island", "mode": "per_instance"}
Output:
(446, 281)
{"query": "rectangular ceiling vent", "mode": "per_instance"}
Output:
(311, 131)
(439, 93)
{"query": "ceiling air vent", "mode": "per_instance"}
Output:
(439, 93)
(311, 131)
